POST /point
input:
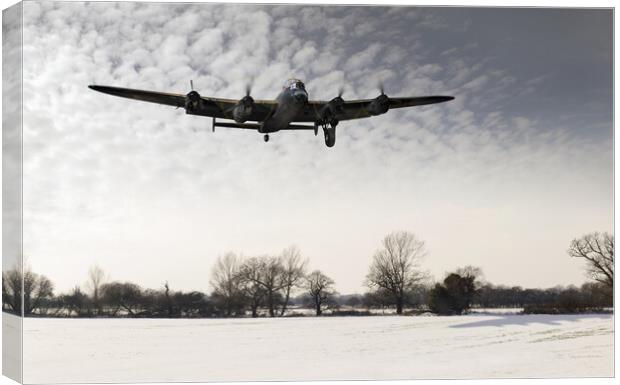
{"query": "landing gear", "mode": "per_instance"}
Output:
(329, 131)
(330, 136)
(266, 138)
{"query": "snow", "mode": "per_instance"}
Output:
(501, 311)
(11, 346)
(307, 348)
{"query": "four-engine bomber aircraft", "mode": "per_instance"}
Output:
(291, 106)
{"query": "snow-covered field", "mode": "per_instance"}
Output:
(389, 347)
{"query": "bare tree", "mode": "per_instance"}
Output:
(192, 304)
(226, 281)
(37, 289)
(293, 273)
(598, 250)
(320, 287)
(122, 295)
(470, 271)
(96, 279)
(267, 272)
(473, 274)
(24, 291)
(395, 266)
(251, 284)
(76, 302)
(12, 290)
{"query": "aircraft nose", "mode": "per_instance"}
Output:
(301, 97)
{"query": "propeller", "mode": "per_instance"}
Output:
(382, 98)
(248, 101)
(381, 104)
(248, 87)
(338, 102)
(192, 98)
(242, 110)
(334, 107)
(380, 86)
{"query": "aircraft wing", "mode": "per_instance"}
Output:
(213, 107)
(358, 109)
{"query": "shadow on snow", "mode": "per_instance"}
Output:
(525, 320)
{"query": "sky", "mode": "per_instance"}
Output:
(503, 177)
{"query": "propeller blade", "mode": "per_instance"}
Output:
(340, 91)
(191, 84)
(380, 85)
(248, 87)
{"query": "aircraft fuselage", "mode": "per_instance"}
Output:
(290, 102)
(290, 108)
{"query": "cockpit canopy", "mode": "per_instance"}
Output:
(294, 84)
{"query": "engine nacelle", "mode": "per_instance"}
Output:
(192, 102)
(332, 108)
(242, 110)
(380, 105)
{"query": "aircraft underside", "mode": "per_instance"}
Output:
(287, 112)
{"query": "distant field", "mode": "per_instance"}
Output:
(390, 347)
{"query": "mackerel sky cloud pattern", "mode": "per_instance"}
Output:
(503, 177)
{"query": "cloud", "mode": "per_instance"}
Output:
(364, 58)
(144, 189)
(304, 55)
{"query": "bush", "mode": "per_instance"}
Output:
(454, 296)
(349, 313)
(568, 301)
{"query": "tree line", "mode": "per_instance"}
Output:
(283, 285)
